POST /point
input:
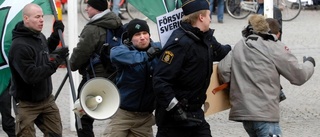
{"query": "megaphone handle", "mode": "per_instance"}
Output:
(79, 125)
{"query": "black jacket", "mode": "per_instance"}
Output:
(29, 64)
(185, 69)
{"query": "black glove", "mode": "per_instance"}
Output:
(153, 52)
(61, 52)
(309, 59)
(56, 26)
(57, 60)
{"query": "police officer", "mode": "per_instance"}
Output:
(183, 74)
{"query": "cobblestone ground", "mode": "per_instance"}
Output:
(300, 112)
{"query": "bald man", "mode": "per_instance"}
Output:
(31, 74)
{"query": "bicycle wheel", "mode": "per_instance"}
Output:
(134, 13)
(236, 9)
(290, 9)
(83, 5)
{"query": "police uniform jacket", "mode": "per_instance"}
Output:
(253, 69)
(134, 77)
(29, 63)
(184, 71)
(91, 38)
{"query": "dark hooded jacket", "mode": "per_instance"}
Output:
(29, 64)
(91, 38)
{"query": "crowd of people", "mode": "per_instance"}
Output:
(164, 86)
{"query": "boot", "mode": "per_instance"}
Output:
(121, 17)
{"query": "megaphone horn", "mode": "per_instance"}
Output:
(93, 102)
(99, 98)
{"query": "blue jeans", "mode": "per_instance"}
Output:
(116, 8)
(220, 10)
(262, 129)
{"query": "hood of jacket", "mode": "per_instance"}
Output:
(106, 19)
(22, 31)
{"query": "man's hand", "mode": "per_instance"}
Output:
(59, 55)
(153, 52)
(57, 60)
(305, 58)
(61, 52)
(57, 25)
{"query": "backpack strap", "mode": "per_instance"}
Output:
(95, 57)
(110, 41)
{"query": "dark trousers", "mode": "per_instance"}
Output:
(202, 130)
(86, 121)
(8, 124)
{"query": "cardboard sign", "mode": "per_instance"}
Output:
(220, 100)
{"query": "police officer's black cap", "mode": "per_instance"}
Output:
(192, 6)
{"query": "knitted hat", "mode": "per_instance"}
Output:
(100, 5)
(192, 6)
(135, 26)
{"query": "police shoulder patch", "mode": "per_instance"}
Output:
(167, 57)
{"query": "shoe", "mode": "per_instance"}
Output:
(220, 21)
(122, 18)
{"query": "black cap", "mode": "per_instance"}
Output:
(135, 26)
(100, 5)
(192, 6)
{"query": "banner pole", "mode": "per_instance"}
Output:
(69, 73)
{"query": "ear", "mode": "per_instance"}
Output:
(201, 17)
(278, 35)
(25, 17)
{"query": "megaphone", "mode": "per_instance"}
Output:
(99, 98)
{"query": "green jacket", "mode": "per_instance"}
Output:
(91, 38)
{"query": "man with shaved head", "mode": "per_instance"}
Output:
(31, 72)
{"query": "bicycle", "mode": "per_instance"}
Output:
(240, 9)
(125, 7)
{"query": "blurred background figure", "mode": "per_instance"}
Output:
(220, 9)
(116, 9)
(64, 4)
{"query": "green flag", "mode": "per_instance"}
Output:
(10, 14)
(155, 8)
